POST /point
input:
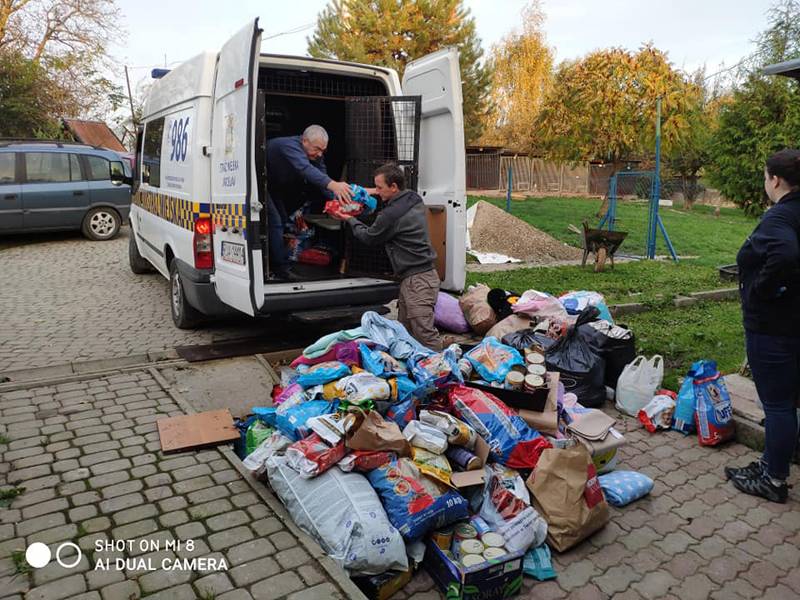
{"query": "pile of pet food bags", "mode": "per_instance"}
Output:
(382, 449)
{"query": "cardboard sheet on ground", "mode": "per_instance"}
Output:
(194, 431)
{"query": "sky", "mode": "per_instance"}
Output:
(693, 32)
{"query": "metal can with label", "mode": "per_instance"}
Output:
(535, 358)
(469, 547)
(462, 532)
(480, 525)
(472, 560)
(493, 553)
(463, 458)
(493, 539)
(539, 370)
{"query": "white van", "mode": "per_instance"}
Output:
(198, 214)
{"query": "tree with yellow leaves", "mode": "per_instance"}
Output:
(522, 64)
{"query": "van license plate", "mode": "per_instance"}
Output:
(233, 253)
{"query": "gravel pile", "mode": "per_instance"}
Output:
(494, 230)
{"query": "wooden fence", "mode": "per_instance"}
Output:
(528, 174)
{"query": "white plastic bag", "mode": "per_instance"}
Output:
(525, 528)
(343, 513)
(256, 461)
(638, 383)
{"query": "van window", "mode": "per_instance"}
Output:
(47, 167)
(75, 168)
(7, 167)
(151, 152)
(99, 169)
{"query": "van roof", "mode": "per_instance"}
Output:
(194, 78)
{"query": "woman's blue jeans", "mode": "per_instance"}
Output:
(775, 364)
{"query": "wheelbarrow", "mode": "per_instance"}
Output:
(602, 243)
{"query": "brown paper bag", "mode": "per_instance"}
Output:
(375, 433)
(545, 421)
(476, 309)
(567, 494)
(508, 325)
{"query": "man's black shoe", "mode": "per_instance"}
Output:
(753, 470)
(762, 486)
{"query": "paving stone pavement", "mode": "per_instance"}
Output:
(73, 299)
(694, 537)
(87, 454)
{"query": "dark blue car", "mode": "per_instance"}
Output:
(53, 185)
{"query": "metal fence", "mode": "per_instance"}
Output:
(528, 174)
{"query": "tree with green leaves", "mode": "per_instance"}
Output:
(603, 106)
(29, 100)
(392, 33)
(762, 115)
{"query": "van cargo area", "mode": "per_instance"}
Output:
(366, 129)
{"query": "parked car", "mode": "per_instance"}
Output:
(60, 185)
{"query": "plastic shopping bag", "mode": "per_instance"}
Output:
(638, 384)
(493, 360)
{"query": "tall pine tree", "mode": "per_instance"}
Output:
(392, 33)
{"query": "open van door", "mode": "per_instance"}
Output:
(233, 191)
(442, 175)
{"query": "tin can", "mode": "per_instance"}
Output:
(469, 547)
(472, 560)
(535, 358)
(464, 531)
(493, 553)
(533, 382)
(443, 538)
(514, 380)
(492, 539)
(463, 458)
(539, 370)
(481, 526)
(464, 435)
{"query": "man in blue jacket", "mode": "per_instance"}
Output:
(296, 174)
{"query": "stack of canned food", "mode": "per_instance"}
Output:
(470, 544)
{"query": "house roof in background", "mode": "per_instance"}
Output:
(95, 133)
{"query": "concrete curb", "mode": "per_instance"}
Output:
(339, 577)
(693, 298)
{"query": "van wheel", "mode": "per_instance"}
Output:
(139, 265)
(101, 224)
(184, 315)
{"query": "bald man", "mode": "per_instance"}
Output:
(296, 173)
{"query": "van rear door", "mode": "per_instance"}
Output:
(233, 190)
(442, 185)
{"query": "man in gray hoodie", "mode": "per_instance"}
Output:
(402, 226)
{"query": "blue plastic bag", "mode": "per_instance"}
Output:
(402, 412)
(623, 487)
(538, 563)
(266, 414)
(436, 370)
(361, 196)
(575, 302)
(292, 423)
(380, 363)
(686, 404)
(414, 504)
(493, 360)
(323, 373)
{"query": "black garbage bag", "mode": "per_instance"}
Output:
(525, 338)
(615, 343)
(579, 361)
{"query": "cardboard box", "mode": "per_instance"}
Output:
(385, 585)
(495, 580)
(464, 479)
(546, 420)
(515, 399)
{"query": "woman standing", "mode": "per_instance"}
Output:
(769, 285)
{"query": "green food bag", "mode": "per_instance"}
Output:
(256, 433)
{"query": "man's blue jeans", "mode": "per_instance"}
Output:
(277, 251)
(775, 363)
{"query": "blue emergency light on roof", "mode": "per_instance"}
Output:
(159, 73)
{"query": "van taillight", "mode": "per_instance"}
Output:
(203, 244)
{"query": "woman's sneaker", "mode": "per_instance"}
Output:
(754, 469)
(762, 485)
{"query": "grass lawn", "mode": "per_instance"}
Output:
(682, 335)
